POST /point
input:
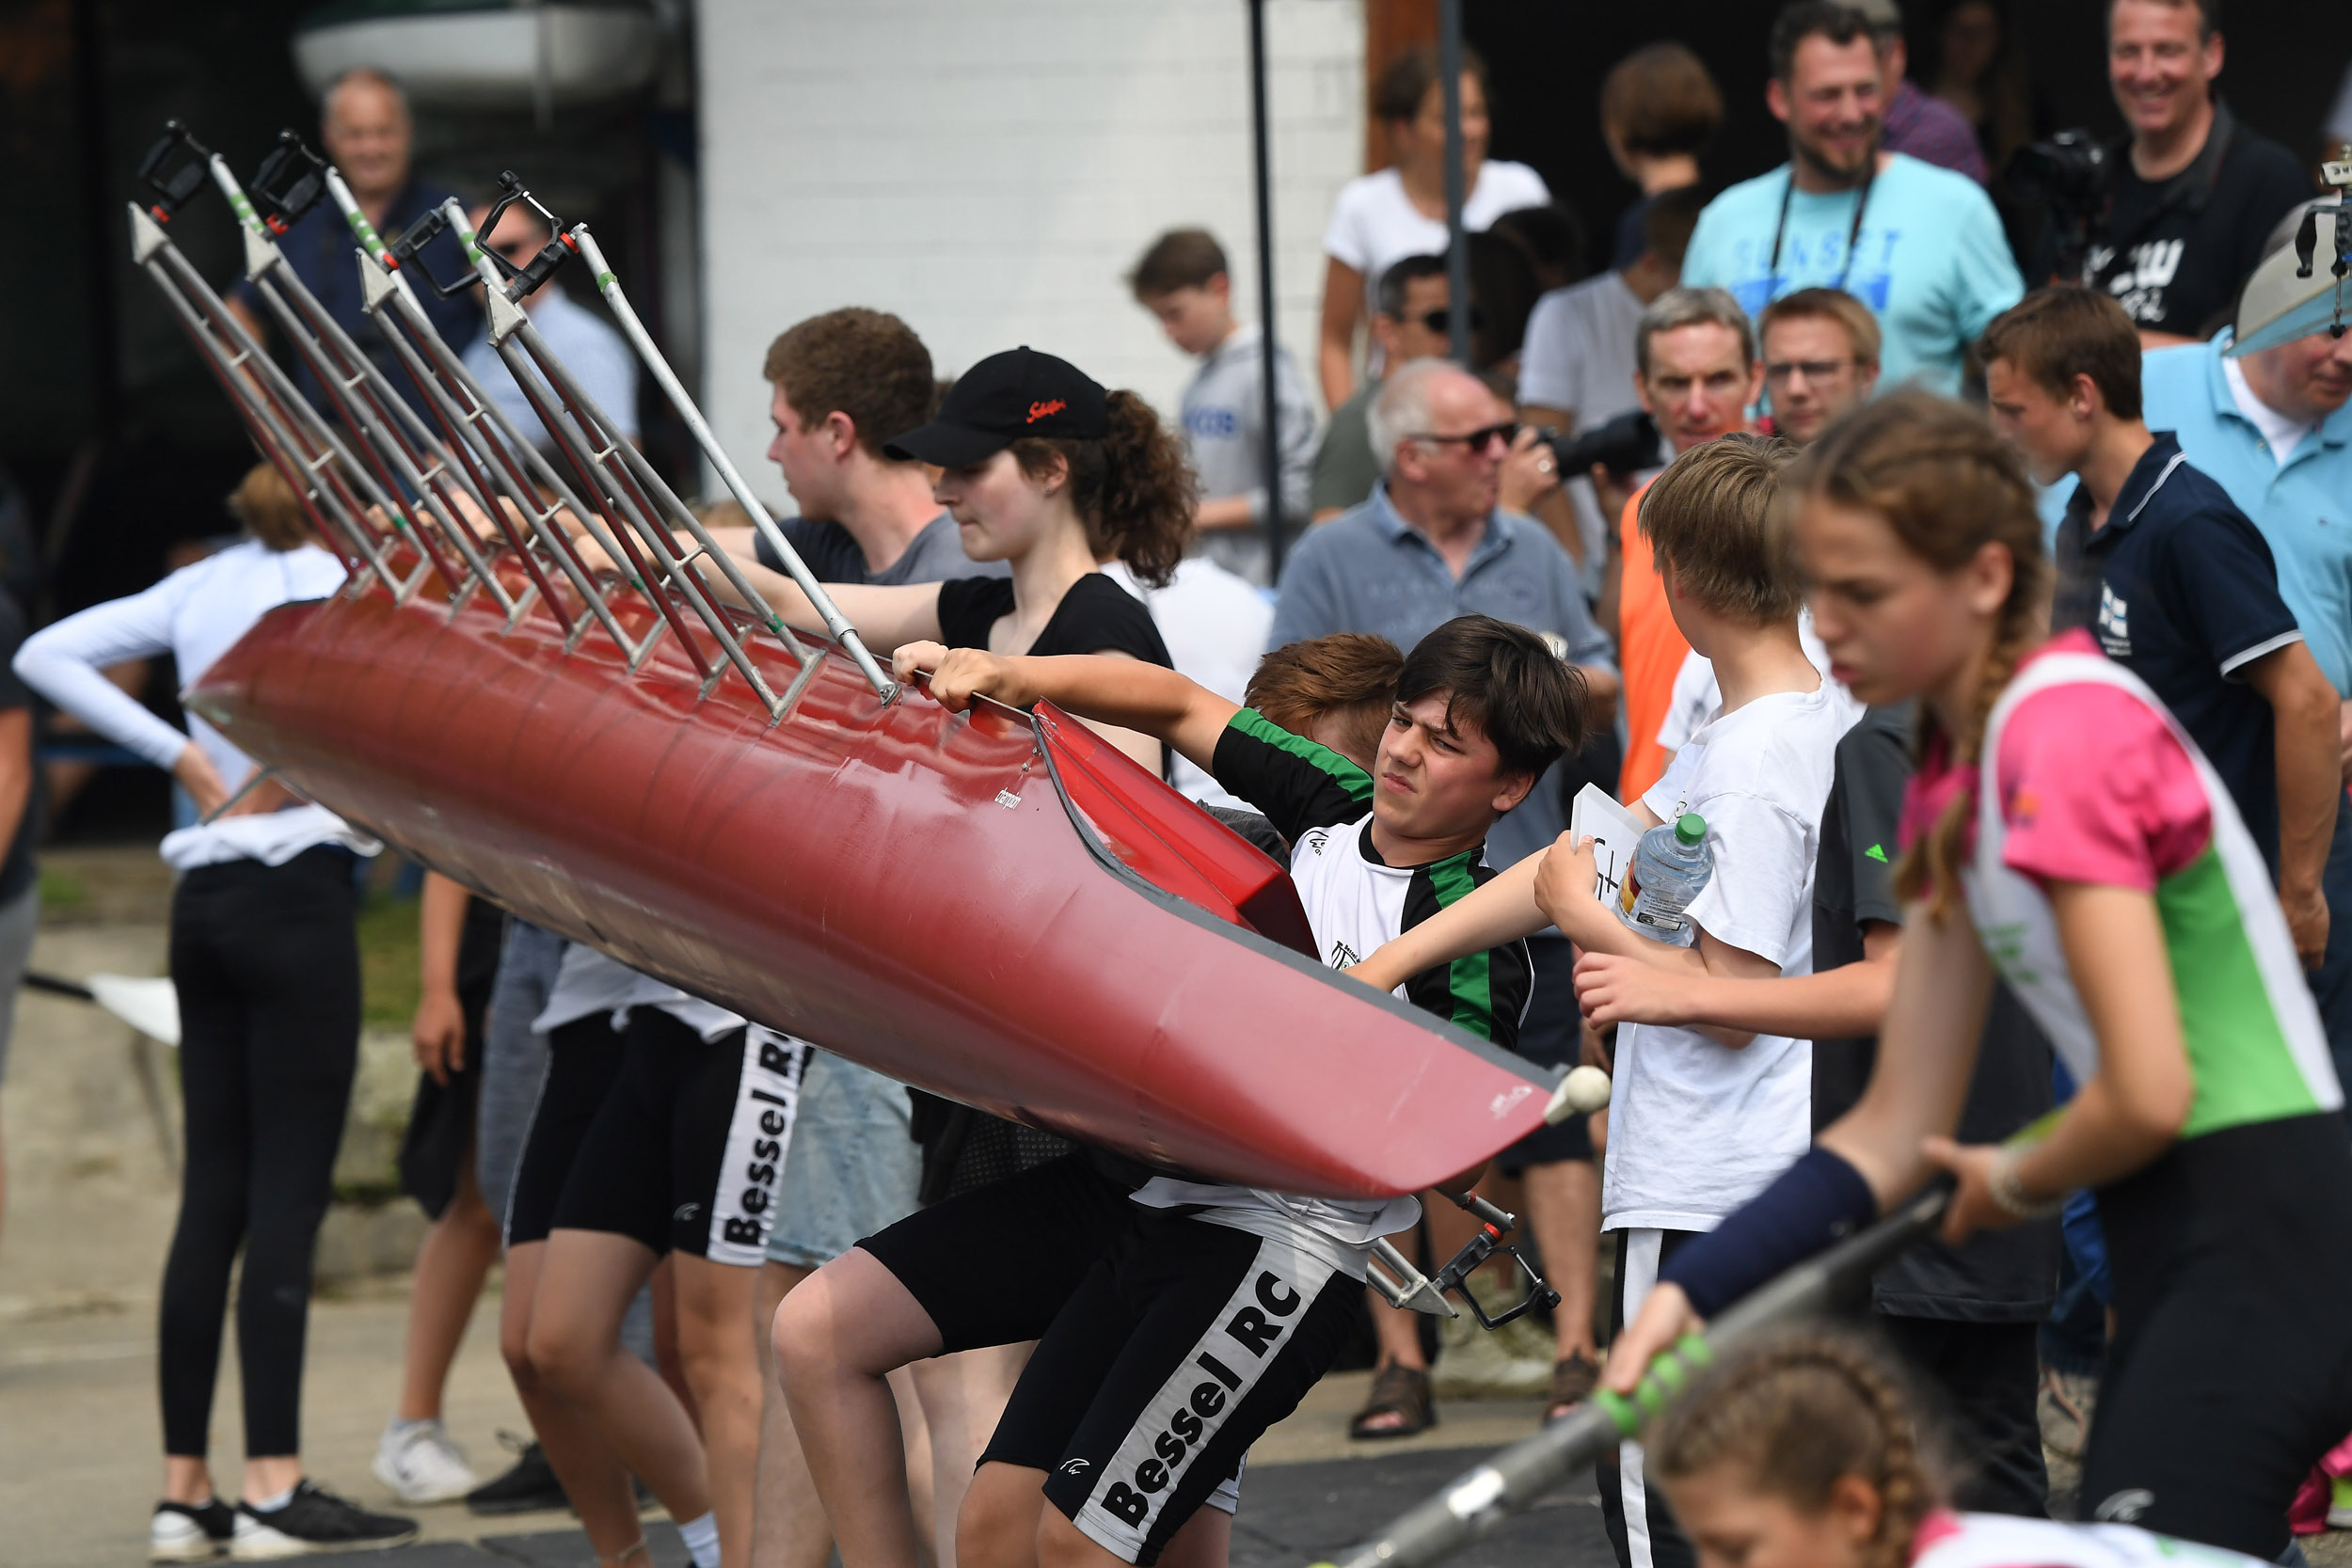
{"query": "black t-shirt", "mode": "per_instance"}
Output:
(1998, 1275)
(963, 1148)
(17, 871)
(2176, 251)
(1095, 616)
(2181, 589)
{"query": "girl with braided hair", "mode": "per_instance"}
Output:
(2062, 828)
(1801, 1449)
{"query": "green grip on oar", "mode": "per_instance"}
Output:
(364, 232)
(245, 215)
(1667, 1376)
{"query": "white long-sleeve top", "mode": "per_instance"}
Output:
(194, 614)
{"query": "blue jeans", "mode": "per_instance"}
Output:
(851, 1169)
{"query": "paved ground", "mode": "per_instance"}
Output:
(77, 1424)
(90, 1125)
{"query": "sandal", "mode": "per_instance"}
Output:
(1399, 1391)
(1573, 1380)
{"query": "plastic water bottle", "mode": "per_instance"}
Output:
(1670, 867)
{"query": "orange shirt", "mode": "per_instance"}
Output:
(1650, 650)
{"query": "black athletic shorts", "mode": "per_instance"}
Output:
(1552, 1035)
(1184, 1343)
(2232, 1368)
(583, 1061)
(993, 1266)
(686, 1151)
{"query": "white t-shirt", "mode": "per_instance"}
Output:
(588, 982)
(1375, 225)
(196, 615)
(2002, 1541)
(2282, 433)
(1215, 622)
(1695, 1128)
(1696, 696)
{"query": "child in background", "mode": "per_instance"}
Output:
(1801, 1449)
(1183, 280)
(1701, 1118)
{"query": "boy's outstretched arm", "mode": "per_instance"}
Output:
(1125, 692)
(1501, 911)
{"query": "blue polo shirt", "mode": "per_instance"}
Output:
(322, 252)
(2303, 509)
(1369, 570)
(2179, 587)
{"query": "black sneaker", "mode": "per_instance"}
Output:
(313, 1520)
(190, 1533)
(527, 1488)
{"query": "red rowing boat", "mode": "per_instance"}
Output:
(998, 908)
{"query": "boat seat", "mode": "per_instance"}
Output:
(1168, 841)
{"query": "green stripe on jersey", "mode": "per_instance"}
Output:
(1469, 980)
(1346, 774)
(2238, 1054)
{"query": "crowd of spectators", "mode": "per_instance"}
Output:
(2190, 497)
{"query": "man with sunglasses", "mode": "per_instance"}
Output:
(1821, 358)
(1408, 323)
(1433, 542)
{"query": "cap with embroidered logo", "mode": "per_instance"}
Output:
(1000, 400)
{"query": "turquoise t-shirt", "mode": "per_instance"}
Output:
(1930, 262)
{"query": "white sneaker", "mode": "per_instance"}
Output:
(184, 1533)
(422, 1465)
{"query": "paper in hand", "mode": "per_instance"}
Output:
(1615, 832)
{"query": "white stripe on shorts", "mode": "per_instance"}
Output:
(765, 1098)
(1641, 1247)
(1200, 1395)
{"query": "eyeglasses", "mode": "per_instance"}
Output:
(1813, 370)
(1441, 321)
(1479, 441)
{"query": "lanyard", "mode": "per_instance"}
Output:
(1853, 235)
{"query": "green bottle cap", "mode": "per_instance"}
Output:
(1691, 830)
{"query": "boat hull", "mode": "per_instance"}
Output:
(904, 886)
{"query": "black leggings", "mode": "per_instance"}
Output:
(2232, 1368)
(266, 962)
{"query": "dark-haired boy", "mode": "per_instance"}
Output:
(2176, 582)
(1111, 1423)
(1183, 280)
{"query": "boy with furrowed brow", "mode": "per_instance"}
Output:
(1206, 1311)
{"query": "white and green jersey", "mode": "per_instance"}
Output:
(2087, 778)
(1355, 902)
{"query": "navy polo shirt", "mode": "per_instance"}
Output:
(2180, 588)
(321, 250)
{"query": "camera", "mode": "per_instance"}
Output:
(2066, 178)
(1625, 445)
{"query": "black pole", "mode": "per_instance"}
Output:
(1274, 519)
(1457, 254)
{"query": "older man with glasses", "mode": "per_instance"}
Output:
(1433, 542)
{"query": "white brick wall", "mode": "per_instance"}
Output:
(989, 169)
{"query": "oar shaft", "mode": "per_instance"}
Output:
(1514, 1478)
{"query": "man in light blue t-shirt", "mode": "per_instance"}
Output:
(1921, 246)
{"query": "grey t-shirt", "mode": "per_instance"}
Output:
(832, 554)
(1224, 412)
(1579, 359)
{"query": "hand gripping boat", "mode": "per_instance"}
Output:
(998, 906)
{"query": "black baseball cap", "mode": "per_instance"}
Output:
(1003, 398)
